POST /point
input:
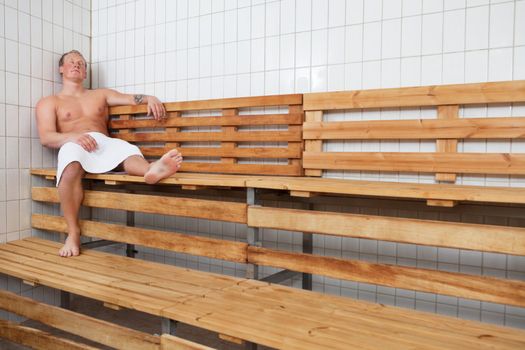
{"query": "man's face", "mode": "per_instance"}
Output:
(73, 68)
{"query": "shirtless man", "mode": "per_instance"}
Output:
(69, 116)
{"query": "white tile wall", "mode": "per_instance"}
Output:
(32, 36)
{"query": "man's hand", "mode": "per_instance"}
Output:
(156, 108)
(86, 141)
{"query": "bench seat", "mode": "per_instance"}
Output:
(432, 193)
(245, 308)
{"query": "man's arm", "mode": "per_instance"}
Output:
(155, 107)
(46, 119)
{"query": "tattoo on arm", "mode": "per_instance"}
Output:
(138, 99)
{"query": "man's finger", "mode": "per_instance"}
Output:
(149, 110)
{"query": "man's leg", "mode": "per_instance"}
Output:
(71, 194)
(166, 166)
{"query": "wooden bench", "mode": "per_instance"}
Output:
(89, 328)
(246, 309)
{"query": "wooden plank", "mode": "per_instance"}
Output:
(170, 342)
(357, 316)
(112, 306)
(103, 332)
(461, 193)
(312, 145)
(231, 339)
(188, 244)
(229, 146)
(195, 208)
(441, 203)
(509, 292)
(238, 120)
(489, 238)
(465, 128)
(255, 152)
(241, 136)
(447, 145)
(466, 163)
(296, 109)
(179, 178)
(239, 102)
(515, 195)
(462, 94)
(37, 339)
(261, 169)
(170, 145)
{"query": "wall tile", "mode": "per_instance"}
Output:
(477, 28)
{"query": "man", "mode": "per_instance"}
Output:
(75, 120)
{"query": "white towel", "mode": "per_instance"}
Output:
(109, 154)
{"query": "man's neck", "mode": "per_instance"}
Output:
(72, 88)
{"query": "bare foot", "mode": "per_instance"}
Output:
(71, 246)
(166, 166)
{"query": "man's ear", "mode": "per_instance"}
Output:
(61, 70)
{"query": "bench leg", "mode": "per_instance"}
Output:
(65, 300)
(168, 326)
(250, 346)
(308, 249)
(252, 235)
(130, 221)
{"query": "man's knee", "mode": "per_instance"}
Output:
(72, 172)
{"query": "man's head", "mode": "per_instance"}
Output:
(72, 65)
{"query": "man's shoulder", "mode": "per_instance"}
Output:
(47, 101)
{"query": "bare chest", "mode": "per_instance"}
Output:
(87, 108)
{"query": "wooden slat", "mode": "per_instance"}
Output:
(240, 102)
(262, 169)
(170, 342)
(229, 146)
(448, 145)
(239, 120)
(461, 193)
(195, 208)
(509, 292)
(462, 94)
(179, 178)
(489, 238)
(188, 244)
(296, 109)
(37, 339)
(170, 130)
(87, 327)
(312, 145)
(466, 128)
(467, 163)
(241, 136)
(293, 151)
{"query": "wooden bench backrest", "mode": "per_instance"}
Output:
(447, 129)
(229, 132)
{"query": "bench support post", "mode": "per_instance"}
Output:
(252, 235)
(308, 249)
(130, 221)
(168, 326)
(65, 300)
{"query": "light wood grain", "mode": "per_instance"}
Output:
(37, 339)
(87, 327)
(195, 208)
(466, 163)
(462, 94)
(415, 129)
(240, 102)
(490, 238)
(194, 245)
(510, 292)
